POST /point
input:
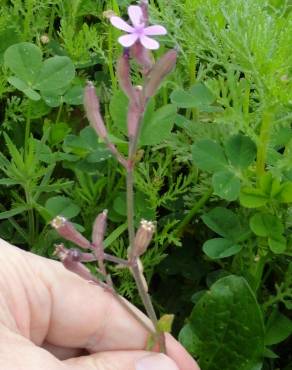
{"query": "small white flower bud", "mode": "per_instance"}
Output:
(67, 230)
(143, 237)
(99, 228)
(44, 39)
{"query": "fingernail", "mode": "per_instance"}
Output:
(155, 362)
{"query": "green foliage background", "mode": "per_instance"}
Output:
(214, 166)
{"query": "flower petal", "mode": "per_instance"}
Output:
(128, 40)
(149, 43)
(121, 24)
(155, 30)
(136, 15)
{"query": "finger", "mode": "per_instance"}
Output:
(120, 360)
(179, 354)
(17, 352)
(26, 355)
(48, 302)
(71, 312)
(63, 353)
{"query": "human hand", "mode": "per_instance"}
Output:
(52, 319)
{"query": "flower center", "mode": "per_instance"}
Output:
(139, 30)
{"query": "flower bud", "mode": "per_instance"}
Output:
(68, 258)
(143, 238)
(123, 73)
(44, 39)
(134, 115)
(91, 105)
(67, 230)
(161, 69)
(142, 57)
(99, 228)
(144, 7)
(108, 14)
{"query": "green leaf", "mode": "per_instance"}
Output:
(115, 234)
(23, 86)
(165, 322)
(220, 248)
(265, 224)
(63, 206)
(199, 96)
(275, 188)
(8, 36)
(38, 109)
(52, 98)
(56, 72)
(252, 197)
(277, 243)
(202, 95)
(228, 323)
(74, 96)
(241, 151)
(188, 339)
(182, 99)
(161, 123)
(58, 132)
(99, 154)
(25, 61)
(278, 328)
(8, 182)
(118, 110)
(269, 353)
(142, 209)
(226, 185)
(208, 155)
(285, 193)
(13, 212)
(266, 183)
(224, 222)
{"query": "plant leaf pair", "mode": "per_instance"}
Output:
(269, 226)
(198, 97)
(225, 223)
(268, 189)
(208, 155)
(33, 76)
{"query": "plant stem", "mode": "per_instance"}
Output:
(27, 20)
(124, 303)
(110, 57)
(51, 23)
(31, 222)
(186, 220)
(117, 260)
(59, 112)
(263, 142)
(27, 129)
(147, 304)
(130, 206)
(133, 143)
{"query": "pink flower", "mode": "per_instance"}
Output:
(137, 32)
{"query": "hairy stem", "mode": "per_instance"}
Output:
(130, 206)
(145, 297)
(128, 308)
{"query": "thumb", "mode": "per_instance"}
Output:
(123, 360)
(156, 361)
